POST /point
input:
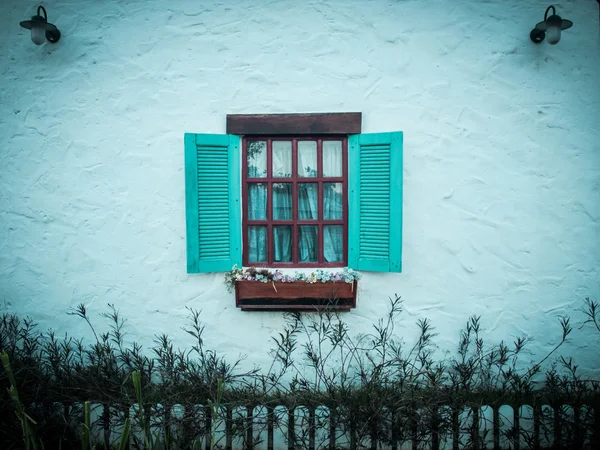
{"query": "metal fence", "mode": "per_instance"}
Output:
(517, 426)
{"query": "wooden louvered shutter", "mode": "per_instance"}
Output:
(212, 193)
(375, 202)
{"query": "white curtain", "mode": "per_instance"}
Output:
(282, 210)
(307, 159)
(281, 157)
(332, 158)
(308, 201)
(257, 244)
(333, 243)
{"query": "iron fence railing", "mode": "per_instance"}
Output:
(520, 425)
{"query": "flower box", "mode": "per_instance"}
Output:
(295, 296)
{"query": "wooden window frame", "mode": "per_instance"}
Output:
(294, 180)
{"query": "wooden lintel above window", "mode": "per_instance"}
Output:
(296, 124)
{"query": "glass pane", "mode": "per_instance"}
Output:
(333, 243)
(332, 201)
(307, 159)
(257, 244)
(257, 201)
(257, 159)
(308, 201)
(282, 243)
(308, 243)
(282, 201)
(332, 158)
(282, 159)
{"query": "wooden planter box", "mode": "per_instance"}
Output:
(299, 295)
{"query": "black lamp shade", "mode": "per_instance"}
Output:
(554, 20)
(552, 24)
(39, 27)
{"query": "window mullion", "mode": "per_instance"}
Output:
(320, 241)
(269, 159)
(294, 158)
(295, 203)
(270, 249)
(269, 223)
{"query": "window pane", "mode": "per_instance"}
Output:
(308, 243)
(332, 158)
(257, 244)
(333, 243)
(282, 201)
(282, 243)
(282, 159)
(307, 159)
(257, 159)
(332, 201)
(308, 202)
(257, 201)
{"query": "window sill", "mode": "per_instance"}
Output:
(295, 296)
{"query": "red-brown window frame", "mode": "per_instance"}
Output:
(294, 180)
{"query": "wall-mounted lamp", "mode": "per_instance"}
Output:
(551, 25)
(40, 28)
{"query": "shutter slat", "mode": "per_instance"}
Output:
(211, 214)
(366, 249)
(375, 255)
(214, 245)
(373, 216)
(213, 249)
(375, 204)
(206, 209)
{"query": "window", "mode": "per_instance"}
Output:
(294, 205)
(297, 209)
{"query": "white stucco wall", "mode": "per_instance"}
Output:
(501, 156)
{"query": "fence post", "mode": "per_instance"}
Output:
(208, 427)
(537, 412)
(596, 430)
(578, 438)
(270, 425)
(414, 435)
(435, 428)
(291, 429)
(475, 428)
(312, 425)
(374, 432)
(557, 427)
(332, 428)
(395, 426)
(106, 424)
(496, 411)
(229, 428)
(352, 415)
(249, 427)
(455, 429)
(516, 427)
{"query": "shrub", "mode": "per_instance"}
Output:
(377, 388)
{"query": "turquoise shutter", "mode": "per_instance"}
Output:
(375, 202)
(212, 202)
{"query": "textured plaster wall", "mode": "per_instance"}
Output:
(502, 156)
